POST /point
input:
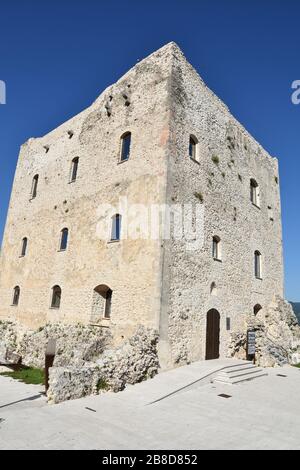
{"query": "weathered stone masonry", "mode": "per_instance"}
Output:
(162, 101)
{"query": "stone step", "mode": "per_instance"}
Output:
(247, 367)
(241, 379)
(239, 373)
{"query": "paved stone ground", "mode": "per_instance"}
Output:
(263, 414)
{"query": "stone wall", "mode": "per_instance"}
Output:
(227, 158)
(277, 335)
(130, 268)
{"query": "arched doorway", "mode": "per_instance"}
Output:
(101, 306)
(212, 335)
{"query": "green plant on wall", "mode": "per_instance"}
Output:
(215, 159)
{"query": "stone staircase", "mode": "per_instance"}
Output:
(239, 373)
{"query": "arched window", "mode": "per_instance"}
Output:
(125, 146)
(216, 248)
(256, 309)
(193, 148)
(254, 192)
(16, 296)
(24, 246)
(56, 297)
(74, 169)
(102, 298)
(116, 223)
(34, 186)
(64, 239)
(257, 264)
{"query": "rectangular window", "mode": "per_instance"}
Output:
(74, 169)
(107, 309)
(125, 147)
(257, 265)
(116, 228)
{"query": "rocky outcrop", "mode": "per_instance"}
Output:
(8, 338)
(69, 383)
(85, 362)
(75, 344)
(134, 361)
(277, 335)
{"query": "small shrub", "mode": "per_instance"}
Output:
(240, 177)
(215, 159)
(223, 174)
(102, 385)
(199, 196)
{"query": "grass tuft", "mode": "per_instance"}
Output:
(102, 385)
(27, 375)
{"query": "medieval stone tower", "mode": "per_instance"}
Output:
(158, 137)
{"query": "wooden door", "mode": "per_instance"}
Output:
(212, 335)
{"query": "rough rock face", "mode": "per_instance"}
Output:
(277, 335)
(69, 383)
(8, 337)
(134, 361)
(76, 344)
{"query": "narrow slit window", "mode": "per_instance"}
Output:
(254, 192)
(74, 169)
(125, 146)
(24, 246)
(34, 186)
(116, 227)
(56, 297)
(64, 239)
(193, 148)
(107, 308)
(16, 296)
(257, 265)
(216, 248)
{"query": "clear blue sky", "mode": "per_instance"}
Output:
(57, 56)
